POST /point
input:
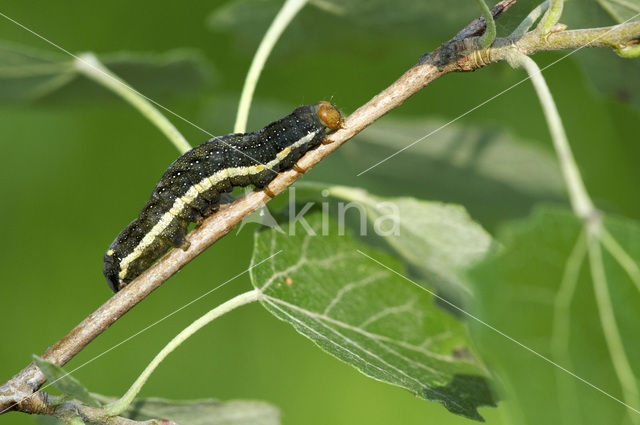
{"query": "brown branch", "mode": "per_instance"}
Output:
(458, 54)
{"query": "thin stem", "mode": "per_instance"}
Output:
(490, 32)
(531, 18)
(551, 17)
(121, 405)
(619, 358)
(580, 201)
(90, 66)
(289, 10)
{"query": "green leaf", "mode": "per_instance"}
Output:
(201, 412)
(65, 382)
(193, 412)
(438, 16)
(171, 72)
(400, 15)
(250, 18)
(493, 173)
(488, 153)
(610, 74)
(366, 315)
(540, 291)
(447, 243)
(621, 10)
(243, 13)
(27, 74)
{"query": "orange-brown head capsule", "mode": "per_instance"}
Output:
(330, 115)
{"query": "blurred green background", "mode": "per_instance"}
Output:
(78, 164)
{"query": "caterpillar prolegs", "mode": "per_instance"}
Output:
(191, 187)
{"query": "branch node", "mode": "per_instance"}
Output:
(476, 56)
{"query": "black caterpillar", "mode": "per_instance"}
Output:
(190, 188)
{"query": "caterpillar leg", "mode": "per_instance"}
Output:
(326, 141)
(298, 169)
(268, 191)
(212, 209)
(226, 198)
(175, 234)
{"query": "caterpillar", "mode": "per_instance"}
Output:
(190, 188)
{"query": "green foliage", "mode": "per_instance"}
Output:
(248, 17)
(27, 74)
(540, 290)
(612, 75)
(496, 173)
(471, 153)
(89, 168)
(65, 382)
(202, 412)
(621, 10)
(194, 412)
(368, 316)
(436, 241)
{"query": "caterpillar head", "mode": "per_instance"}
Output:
(329, 115)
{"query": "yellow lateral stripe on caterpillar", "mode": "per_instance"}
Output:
(196, 190)
(191, 187)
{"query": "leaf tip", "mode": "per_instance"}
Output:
(463, 395)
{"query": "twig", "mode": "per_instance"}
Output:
(457, 55)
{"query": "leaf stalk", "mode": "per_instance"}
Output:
(121, 405)
(90, 66)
